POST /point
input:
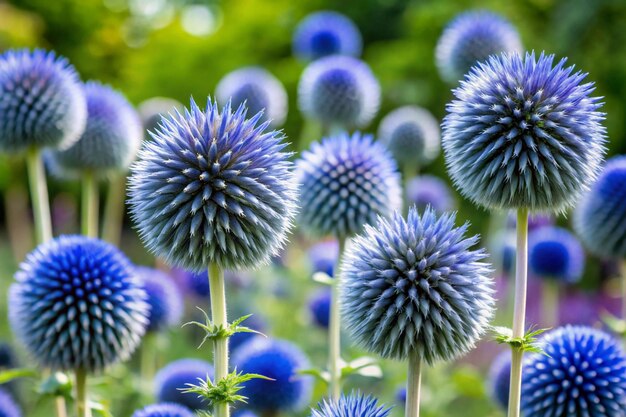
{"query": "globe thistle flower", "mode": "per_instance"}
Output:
(523, 133)
(326, 33)
(77, 304)
(339, 90)
(43, 104)
(280, 361)
(346, 182)
(151, 112)
(500, 379)
(428, 190)
(583, 373)
(164, 298)
(213, 187)
(323, 256)
(555, 253)
(171, 379)
(258, 89)
(414, 287)
(319, 307)
(164, 410)
(411, 134)
(600, 217)
(353, 405)
(8, 406)
(471, 38)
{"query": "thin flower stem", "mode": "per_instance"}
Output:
(89, 207)
(39, 195)
(550, 298)
(219, 318)
(622, 269)
(114, 210)
(413, 386)
(82, 408)
(334, 331)
(59, 404)
(148, 357)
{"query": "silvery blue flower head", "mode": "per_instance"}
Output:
(523, 132)
(77, 304)
(428, 190)
(319, 307)
(42, 103)
(8, 406)
(339, 90)
(281, 361)
(411, 134)
(500, 379)
(600, 217)
(346, 182)
(554, 253)
(353, 405)
(213, 186)
(583, 373)
(151, 112)
(164, 298)
(164, 410)
(323, 256)
(111, 139)
(326, 33)
(414, 286)
(471, 38)
(258, 89)
(171, 379)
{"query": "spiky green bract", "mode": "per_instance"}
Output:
(353, 405)
(8, 406)
(77, 304)
(524, 133)
(346, 182)
(415, 286)
(326, 33)
(213, 187)
(163, 410)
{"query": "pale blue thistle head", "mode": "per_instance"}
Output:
(346, 181)
(428, 190)
(213, 186)
(326, 33)
(414, 286)
(172, 379)
(8, 406)
(555, 254)
(164, 298)
(164, 410)
(353, 405)
(499, 380)
(523, 132)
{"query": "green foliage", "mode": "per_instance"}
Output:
(224, 391)
(215, 332)
(527, 343)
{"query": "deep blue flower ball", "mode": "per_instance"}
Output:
(77, 304)
(153, 110)
(326, 33)
(555, 253)
(428, 190)
(41, 101)
(583, 373)
(500, 379)
(401, 395)
(164, 298)
(319, 307)
(600, 217)
(175, 376)
(258, 89)
(415, 286)
(213, 186)
(281, 361)
(323, 256)
(8, 406)
(353, 405)
(339, 90)
(346, 182)
(523, 133)
(471, 38)
(164, 410)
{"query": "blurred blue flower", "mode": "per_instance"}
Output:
(319, 306)
(197, 284)
(428, 190)
(164, 298)
(254, 322)
(353, 405)
(153, 110)
(326, 33)
(8, 406)
(555, 253)
(323, 256)
(164, 410)
(500, 379)
(401, 395)
(171, 379)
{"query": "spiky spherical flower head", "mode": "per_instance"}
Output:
(319, 307)
(151, 112)
(411, 134)
(258, 89)
(339, 90)
(428, 190)
(281, 361)
(164, 298)
(164, 410)
(414, 286)
(326, 33)
(353, 405)
(583, 373)
(174, 377)
(78, 304)
(346, 182)
(554, 253)
(323, 256)
(500, 379)
(42, 101)
(213, 187)
(8, 406)
(523, 132)
(600, 217)
(471, 38)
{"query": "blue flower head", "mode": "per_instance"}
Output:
(323, 256)
(471, 38)
(500, 379)
(8, 406)
(583, 373)
(415, 286)
(77, 304)
(213, 186)
(164, 298)
(42, 102)
(326, 33)
(164, 410)
(555, 253)
(175, 376)
(401, 395)
(353, 405)
(600, 217)
(151, 112)
(346, 182)
(258, 89)
(319, 307)
(428, 190)
(339, 90)
(523, 132)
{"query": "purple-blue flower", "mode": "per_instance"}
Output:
(151, 112)
(8, 406)
(323, 256)
(353, 405)
(164, 298)
(428, 190)
(500, 379)
(319, 307)
(555, 253)
(175, 376)
(164, 410)
(326, 33)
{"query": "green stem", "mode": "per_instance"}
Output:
(413, 386)
(334, 331)
(114, 210)
(59, 404)
(219, 318)
(550, 298)
(89, 207)
(39, 195)
(148, 356)
(622, 269)
(82, 408)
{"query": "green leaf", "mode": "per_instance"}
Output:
(526, 343)
(616, 324)
(224, 391)
(323, 278)
(365, 366)
(215, 332)
(11, 374)
(319, 374)
(99, 409)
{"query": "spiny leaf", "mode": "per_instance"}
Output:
(526, 343)
(11, 374)
(215, 332)
(224, 391)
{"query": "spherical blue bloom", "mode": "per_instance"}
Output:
(339, 90)
(281, 361)
(500, 379)
(254, 322)
(166, 301)
(600, 217)
(471, 38)
(401, 395)
(8, 406)
(583, 373)
(414, 286)
(428, 190)
(151, 112)
(164, 410)
(353, 405)
(326, 33)
(523, 133)
(555, 253)
(503, 249)
(41, 101)
(258, 89)
(77, 304)
(175, 376)
(346, 182)
(319, 307)
(323, 256)
(213, 187)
